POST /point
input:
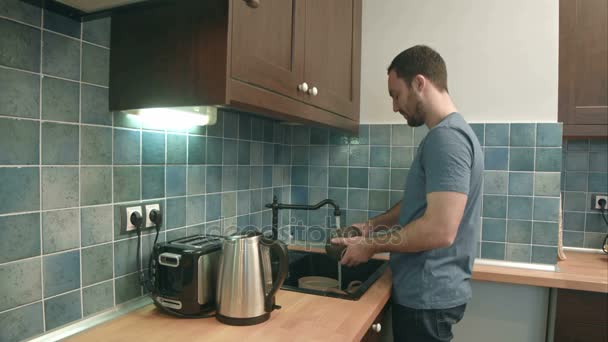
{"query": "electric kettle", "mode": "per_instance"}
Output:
(245, 288)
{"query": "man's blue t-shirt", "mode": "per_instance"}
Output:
(449, 158)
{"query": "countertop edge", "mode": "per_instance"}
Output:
(591, 285)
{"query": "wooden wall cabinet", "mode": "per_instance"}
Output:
(583, 67)
(295, 60)
(581, 316)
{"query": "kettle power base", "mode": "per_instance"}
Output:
(243, 321)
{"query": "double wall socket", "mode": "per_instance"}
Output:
(143, 210)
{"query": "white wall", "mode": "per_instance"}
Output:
(501, 55)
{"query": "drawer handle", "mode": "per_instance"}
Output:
(313, 91)
(253, 3)
(377, 327)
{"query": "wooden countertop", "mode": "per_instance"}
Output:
(303, 317)
(580, 271)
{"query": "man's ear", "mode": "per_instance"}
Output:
(418, 83)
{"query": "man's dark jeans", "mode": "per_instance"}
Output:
(425, 325)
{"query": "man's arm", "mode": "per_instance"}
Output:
(384, 221)
(437, 228)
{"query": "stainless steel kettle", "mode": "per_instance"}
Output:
(245, 288)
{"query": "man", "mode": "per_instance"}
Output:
(438, 220)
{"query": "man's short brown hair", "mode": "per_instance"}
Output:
(421, 60)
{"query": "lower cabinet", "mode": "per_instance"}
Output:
(373, 332)
(581, 316)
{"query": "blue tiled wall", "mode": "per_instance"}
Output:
(67, 165)
(585, 174)
(366, 176)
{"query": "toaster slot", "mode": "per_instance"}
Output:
(169, 259)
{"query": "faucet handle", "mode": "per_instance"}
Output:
(275, 201)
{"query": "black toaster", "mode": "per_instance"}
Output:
(184, 274)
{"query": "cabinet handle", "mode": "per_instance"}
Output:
(253, 3)
(303, 87)
(377, 327)
(313, 91)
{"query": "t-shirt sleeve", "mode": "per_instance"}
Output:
(447, 160)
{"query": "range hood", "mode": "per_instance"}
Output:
(92, 6)
(85, 10)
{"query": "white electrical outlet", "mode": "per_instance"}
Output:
(126, 215)
(149, 208)
(596, 201)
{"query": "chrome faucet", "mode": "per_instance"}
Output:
(275, 206)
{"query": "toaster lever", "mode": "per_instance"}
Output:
(169, 259)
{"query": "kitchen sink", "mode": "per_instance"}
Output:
(303, 264)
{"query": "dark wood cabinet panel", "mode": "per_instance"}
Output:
(372, 335)
(332, 60)
(583, 67)
(268, 44)
(580, 332)
(581, 316)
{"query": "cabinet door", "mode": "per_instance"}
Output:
(372, 335)
(581, 316)
(583, 62)
(267, 44)
(333, 54)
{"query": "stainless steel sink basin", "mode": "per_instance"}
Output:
(303, 264)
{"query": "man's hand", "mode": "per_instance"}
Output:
(358, 250)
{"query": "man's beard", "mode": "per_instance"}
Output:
(417, 118)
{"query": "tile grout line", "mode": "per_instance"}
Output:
(42, 28)
(587, 141)
(535, 151)
(50, 254)
(22, 306)
(20, 118)
(166, 201)
(80, 175)
(507, 199)
(143, 209)
(483, 149)
(41, 73)
(23, 22)
(114, 289)
(41, 78)
(187, 167)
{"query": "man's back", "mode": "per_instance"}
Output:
(449, 158)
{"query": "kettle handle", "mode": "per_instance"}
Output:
(279, 248)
